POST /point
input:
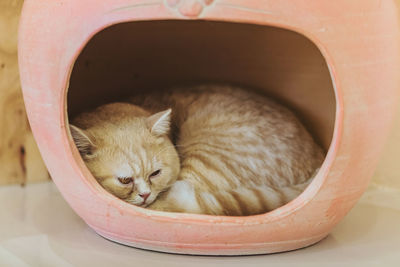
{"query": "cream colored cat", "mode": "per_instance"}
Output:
(235, 153)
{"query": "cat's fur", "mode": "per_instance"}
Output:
(239, 153)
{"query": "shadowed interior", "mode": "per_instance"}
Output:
(152, 55)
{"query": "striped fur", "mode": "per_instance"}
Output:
(239, 153)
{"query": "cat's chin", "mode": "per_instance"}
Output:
(142, 205)
(146, 204)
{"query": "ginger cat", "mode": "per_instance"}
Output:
(207, 149)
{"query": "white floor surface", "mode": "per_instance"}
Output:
(38, 228)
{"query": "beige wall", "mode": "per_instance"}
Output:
(388, 172)
(19, 158)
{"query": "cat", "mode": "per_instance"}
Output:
(206, 149)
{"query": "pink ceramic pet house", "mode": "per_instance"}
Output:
(335, 62)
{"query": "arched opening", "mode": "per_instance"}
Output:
(151, 55)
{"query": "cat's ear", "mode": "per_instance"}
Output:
(159, 123)
(82, 141)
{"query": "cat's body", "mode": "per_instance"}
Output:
(240, 153)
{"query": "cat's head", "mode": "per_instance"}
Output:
(130, 156)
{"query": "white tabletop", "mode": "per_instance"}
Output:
(38, 228)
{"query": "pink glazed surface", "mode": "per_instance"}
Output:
(360, 42)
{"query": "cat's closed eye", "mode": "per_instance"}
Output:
(125, 180)
(154, 174)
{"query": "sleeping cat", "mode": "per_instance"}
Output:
(207, 149)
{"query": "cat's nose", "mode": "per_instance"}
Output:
(144, 196)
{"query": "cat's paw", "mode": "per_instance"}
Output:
(160, 205)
